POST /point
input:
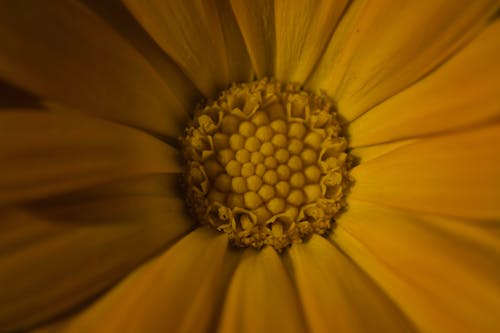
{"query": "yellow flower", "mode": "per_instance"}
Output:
(95, 236)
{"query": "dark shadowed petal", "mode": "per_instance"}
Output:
(58, 253)
(44, 153)
(64, 52)
(256, 22)
(178, 291)
(198, 37)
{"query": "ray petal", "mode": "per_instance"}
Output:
(64, 52)
(59, 253)
(442, 272)
(261, 297)
(337, 294)
(456, 174)
(464, 91)
(382, 47)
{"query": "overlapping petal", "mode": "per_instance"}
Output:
(60, 252)
(303, 28)
(176, 292)
(64, 52)
(461, 93)
(199, 38)
(261, 297)
(337, 295)
(256, 22)
(44, 153)
(440, 271)
(457, 174)
(382, 47)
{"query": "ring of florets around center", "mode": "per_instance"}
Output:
(266, 164)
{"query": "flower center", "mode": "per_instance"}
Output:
(266, 164)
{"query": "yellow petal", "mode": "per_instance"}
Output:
(365, 154)
(192, 34)
(238, 60)
(441, 272)
(261, 297)
(178, 291)
(65, 53)
(337, 295)
(303, 28)
(116, 14)
(256, 22)
(455, 174)
(46, 153)
(382, 47)
(58, 254)
(463, 92)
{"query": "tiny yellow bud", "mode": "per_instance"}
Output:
(225, 155)
(295, 146)
(262, 213)
(297, 130)
(266, 192)
(260, 169)
(314, 140)
(242, 156)
(282, 155)
(252, 200)
(296, 198)
(283, 172)
(276, 205)
(248, 169)
(223, 183)
(282, 189)
(312, 192)
(252, 144)
(229, 124)
(236, 141)
(254, 183)
(247, 129)
(312, 173)
(221, 141)
(264, 133)
(260, 118)
(295, 163)
(256, 157)
(279, 140)
(270, 162)
(279, 126)
(298, 180)
(309, 156)
(239, 185)
(233, 168)
(267, 149)
(270, 177)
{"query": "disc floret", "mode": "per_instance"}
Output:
(266, 164)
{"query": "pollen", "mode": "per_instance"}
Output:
(266, 164)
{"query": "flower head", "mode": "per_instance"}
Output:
(349, 149)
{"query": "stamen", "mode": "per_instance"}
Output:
(266, 164)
